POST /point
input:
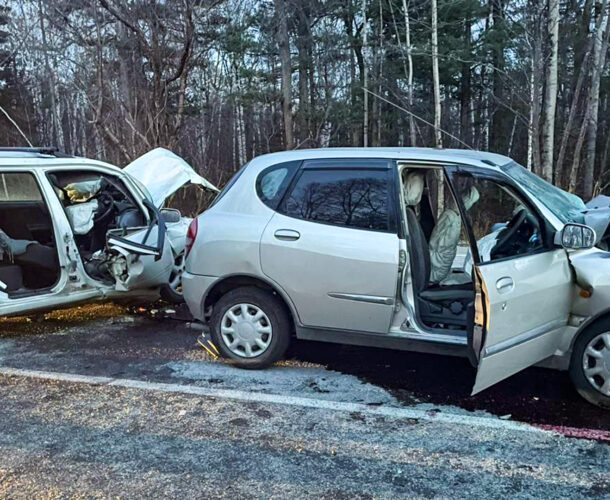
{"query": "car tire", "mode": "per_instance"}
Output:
(232, 337)
(171, 292)
(592, 338)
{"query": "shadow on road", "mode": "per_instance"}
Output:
(536, 395)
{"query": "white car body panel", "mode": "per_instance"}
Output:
(144, 272)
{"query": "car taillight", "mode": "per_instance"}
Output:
(191, 235)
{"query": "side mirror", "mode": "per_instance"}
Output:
(171, 215)
(576, 236)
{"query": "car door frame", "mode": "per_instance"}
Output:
(123, 244)
(478, 331)
(393, 223)
(61, 292)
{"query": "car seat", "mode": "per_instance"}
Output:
(435, 303)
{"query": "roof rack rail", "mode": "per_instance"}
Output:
(50, 151)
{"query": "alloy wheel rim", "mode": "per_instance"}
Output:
(175, 277)
(246, 330)
(596, 363)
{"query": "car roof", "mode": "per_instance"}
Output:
(45, 157)
(34, 158)
(460, 156)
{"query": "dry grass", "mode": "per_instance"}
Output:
(58, 319)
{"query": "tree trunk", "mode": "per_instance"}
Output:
(438, 137)
(498, 113)
(284, 48)
(550, 99)
(592, 98)
(58, 135)
(600, 61)
(466, 91)
(534, 159)
(567, 131)
(412, 134)
(365, 83)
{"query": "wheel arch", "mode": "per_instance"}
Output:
(588, 323)
(231, 282)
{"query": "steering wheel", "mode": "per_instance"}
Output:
(105, 207)
(506, 237)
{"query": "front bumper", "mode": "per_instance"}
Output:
(195, 287)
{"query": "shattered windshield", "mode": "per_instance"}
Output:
(565, 206)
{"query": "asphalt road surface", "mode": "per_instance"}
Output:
(133, 408)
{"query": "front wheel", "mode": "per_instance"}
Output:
(172, 290)
(251, 327)
(590, 364)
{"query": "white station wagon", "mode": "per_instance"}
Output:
(74, 229)
(444, 251)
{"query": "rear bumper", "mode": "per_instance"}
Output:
(194, 289)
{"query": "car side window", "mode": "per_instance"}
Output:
(502, 223)
(18, 186)
(273, 182)
(358, 198)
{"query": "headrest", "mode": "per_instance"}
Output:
(413, 188)
(470, 198)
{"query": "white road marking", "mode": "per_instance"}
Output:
(260, 397)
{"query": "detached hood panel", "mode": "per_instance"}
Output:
(163, 173)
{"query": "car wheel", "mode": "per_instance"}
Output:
(172, 290)
(590, 364)
(251, 327)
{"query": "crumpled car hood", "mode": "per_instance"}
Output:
(597, 215)
(163, 173)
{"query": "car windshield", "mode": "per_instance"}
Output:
(565, 206)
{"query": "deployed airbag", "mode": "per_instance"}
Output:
(445, 238)
(81, 216)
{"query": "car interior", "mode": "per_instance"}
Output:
(94, 204)
(28, 253)
(503, 227)
(442, 303)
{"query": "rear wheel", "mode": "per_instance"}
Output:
(251, 327)
(590, 364)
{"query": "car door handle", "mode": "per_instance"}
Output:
(505, 284)
(287, 234)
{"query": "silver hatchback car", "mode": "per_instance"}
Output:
(443, 251)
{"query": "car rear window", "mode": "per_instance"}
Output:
(358, 198)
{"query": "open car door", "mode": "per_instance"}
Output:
(523, 282)
(145, 253)
(521, 306)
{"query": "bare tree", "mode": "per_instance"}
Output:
(550, 99)
(284, 46)
(438, 136)
(365, 83)
(412, 135)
